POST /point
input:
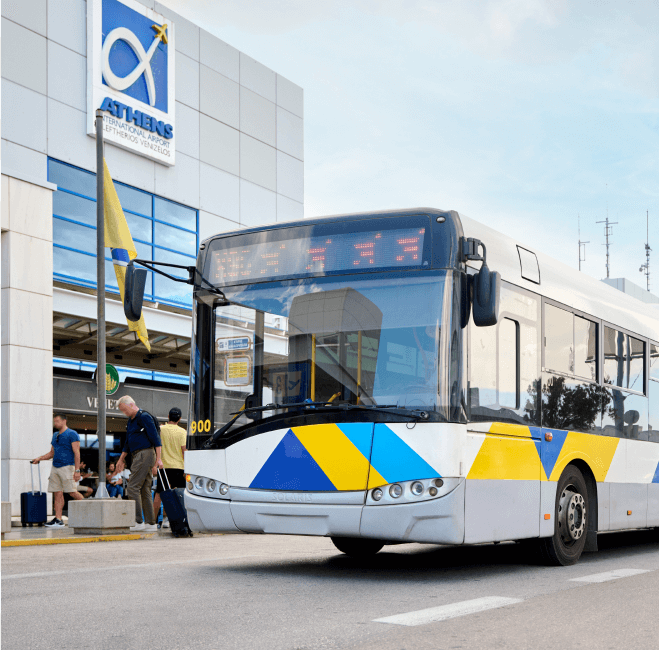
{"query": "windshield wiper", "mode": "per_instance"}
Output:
(391, 409)
(338, 406)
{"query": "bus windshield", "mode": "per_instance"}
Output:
(371, 339)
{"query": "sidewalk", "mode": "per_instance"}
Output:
(36, 535)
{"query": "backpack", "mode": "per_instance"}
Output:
(129, 457)
(155, 420)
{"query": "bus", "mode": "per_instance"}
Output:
(368, 378)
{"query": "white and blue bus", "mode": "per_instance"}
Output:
(368, 378)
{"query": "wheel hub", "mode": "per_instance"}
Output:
(571, 515)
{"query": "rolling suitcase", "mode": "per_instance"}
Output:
(172, 501)
(33, 504)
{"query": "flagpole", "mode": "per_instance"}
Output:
(101, 491)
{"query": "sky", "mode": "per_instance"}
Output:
(527, 115)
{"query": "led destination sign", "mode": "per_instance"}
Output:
(319, 254)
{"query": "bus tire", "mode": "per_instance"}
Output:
(565, 546)
(357, 546)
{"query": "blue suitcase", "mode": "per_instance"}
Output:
(172, 502)
(33, 504)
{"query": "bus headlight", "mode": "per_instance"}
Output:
(199, 483)
(395, 490)
(224, 489)
(377, 494)
(417, 488)
(190, 486)
(211, 485)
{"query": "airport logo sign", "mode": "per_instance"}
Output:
(130, 77)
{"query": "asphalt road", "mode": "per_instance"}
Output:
(295, 592)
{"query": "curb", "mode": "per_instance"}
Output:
(75, 540)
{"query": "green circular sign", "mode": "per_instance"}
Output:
(111, 379)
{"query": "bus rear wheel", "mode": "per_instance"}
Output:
(357, 547)
(565, 546)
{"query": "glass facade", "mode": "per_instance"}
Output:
(162, 230)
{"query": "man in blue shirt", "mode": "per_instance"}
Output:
(144, 446)
(65, 452)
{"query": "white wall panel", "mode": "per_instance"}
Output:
(219, 56)
(67, 76)
(290, 96)
(179, 183)
(257, 77)
(29, 13)
(220, 145)
(26, 126)
(67, 136)
(257, 116)
(187, 33)
(187, 130)
(289, 210)
(258, 206)
(219, 192)
(67, 24)
(290, 133)
(290, 181)
(219, 97)
(22, 160)
(258, 162)
(131, 169)
(210, 224)
(23, 56)
(187, 82)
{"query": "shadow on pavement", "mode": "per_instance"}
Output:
(421, 563)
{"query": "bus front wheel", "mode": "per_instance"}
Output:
(565, 546)
(356, 546)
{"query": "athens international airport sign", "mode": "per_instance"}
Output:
(130, 77)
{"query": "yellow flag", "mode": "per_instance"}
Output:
(119, 239)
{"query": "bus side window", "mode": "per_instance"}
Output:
(504, 363)
(653, 432)
(509, 363)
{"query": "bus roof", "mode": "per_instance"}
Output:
(558, 281)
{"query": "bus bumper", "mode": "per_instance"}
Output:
(207, 515)
(436, 521)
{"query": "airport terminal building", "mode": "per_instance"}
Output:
(200, 139)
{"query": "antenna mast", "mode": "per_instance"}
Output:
(581, 243)
(608, 231)
(645, 268)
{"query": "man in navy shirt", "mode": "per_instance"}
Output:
(144, 446)
(65, 452)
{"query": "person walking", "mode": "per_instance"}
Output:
(65, 452)
(144, 445)
(173, 439)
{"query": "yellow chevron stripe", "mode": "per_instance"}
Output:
(375, 479)
(507, 458)
(517, 430)
(597, 451)
(341, 461)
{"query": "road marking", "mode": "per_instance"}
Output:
(434, 614)
(610, 575)
(119, 567)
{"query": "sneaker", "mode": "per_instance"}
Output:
(55, 523)
(138, 527)
(165, 523)
(150, 527)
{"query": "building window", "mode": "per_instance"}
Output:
(162, 230)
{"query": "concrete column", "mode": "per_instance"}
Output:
(26, 333)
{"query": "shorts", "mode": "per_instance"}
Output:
(61, 479)
(176, 478)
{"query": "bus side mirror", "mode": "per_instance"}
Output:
(134, 292)
(486, 291)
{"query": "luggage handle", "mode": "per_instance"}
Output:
(169, 487)
(32, 476)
